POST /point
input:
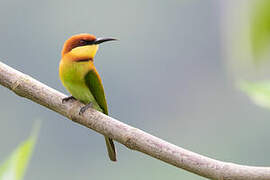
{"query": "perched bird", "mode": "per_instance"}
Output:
(80, 77)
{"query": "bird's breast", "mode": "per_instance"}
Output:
(72, 75)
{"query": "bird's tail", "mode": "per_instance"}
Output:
(110, 148)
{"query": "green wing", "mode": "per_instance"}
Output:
(93, 82)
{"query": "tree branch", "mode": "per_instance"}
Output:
(133, 138)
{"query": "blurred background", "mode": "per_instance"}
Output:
(182, 70)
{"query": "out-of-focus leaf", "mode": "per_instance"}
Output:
(260, 27)
(259, 92)
(14, 167)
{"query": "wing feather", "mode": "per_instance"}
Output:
(93, 82)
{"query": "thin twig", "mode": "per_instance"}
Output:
(133, 138)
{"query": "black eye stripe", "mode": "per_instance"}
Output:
(82, 42)
(83, 60)
(85, 42)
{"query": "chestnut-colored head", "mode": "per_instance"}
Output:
(76, 41)
(81, 40)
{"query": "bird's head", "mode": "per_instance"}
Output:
(83, 45)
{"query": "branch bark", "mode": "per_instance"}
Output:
(133, 138)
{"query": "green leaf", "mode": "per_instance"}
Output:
(258, 92)
(260, 27)
(14, 167)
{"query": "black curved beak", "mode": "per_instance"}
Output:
(102, 40)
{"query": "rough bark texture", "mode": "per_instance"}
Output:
(133, 138)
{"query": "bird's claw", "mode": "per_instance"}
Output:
(66, 99)
(84, 108)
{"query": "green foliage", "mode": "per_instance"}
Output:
(260, 26)
(14, 167)
(259, 92)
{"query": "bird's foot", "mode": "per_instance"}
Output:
(84, 108)
(66, 99)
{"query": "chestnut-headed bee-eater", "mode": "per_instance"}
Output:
(80, 77)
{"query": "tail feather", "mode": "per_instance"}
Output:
(110, 148)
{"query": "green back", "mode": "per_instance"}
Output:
(93, 82)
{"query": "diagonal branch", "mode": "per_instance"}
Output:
(133, 138)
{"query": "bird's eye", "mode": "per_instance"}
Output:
(82, 42)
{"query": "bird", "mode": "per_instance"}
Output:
(79, 76)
